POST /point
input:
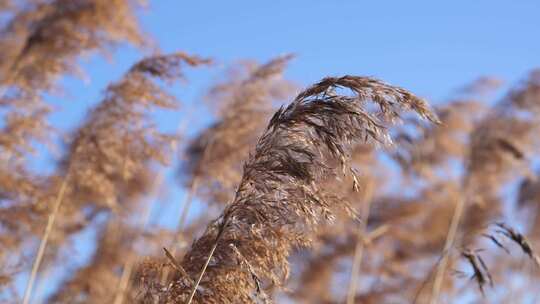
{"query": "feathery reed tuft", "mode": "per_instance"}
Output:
(243, 105)
(279, 204)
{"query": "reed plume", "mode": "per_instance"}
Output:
(42, 41)
(103, 167)
(213, 159)
(278, 203)
(108, 174)
(243, 104)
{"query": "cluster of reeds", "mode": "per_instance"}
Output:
(356, 191)
(42, 41)
(278, 203)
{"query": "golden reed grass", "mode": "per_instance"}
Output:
(287, 192)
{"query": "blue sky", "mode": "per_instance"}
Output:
(429, 47)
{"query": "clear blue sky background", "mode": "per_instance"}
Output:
(429, 47)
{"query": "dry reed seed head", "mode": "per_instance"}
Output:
(254, 87)
(278, 204)
(43, 41)
(215, 156)
(390, 99)
(106, 172)
(64, 29)
(168, 67)
(103, 165)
